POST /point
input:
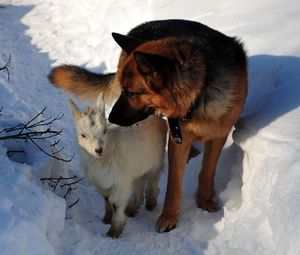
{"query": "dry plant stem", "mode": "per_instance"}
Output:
(6, 68)
(71, 205)
(57, 181)
(28, 132)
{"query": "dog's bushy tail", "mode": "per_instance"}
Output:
(81, 82)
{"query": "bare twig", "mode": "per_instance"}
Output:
(6, 68)
(11, 153)
(57, 181)
(29, 132)
(69, 191)
(55, 143)
(71, 205)
(63, 182)
(51, 155)
(58, 151)
(58, 178)
(72, 183)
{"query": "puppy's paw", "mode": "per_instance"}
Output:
(131, 211)
(114, 232)
(150, 204)
(107, 219)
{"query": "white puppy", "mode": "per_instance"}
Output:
(121, 162)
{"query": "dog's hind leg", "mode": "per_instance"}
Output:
(205, 192)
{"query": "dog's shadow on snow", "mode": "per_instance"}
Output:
(273, 90)
(271, 81)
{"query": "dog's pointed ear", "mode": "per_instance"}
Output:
(127, 43)
(75, 110)
(154, 67)
(150, 64)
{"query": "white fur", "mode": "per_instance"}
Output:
(132, 157)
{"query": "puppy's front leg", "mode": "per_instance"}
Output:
(108, 212)
(177, 154)
(119, 200)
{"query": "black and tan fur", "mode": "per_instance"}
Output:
(170, 67)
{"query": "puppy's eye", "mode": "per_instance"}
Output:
(83, 135)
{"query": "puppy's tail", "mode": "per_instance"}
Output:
(81, 82)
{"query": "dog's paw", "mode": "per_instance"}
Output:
(165, 223)
(114, 232)
(210, 205)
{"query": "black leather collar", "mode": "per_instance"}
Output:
(175, 130)
(174, 122)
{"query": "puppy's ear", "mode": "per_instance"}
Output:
(75, 110)
(101, 104)
(127, 43)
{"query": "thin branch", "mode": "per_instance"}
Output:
(28, 122)
(32, 135)
(56, 183)
(58, 151)
(11, 128)
(72, 183)
(71, 205)
(11, 153)
(55, 143)
(6, 68)
(50, 155)
(58, 178)
(69, 191)
(28, 132)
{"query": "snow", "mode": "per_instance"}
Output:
(258, 172)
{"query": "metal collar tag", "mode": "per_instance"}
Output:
(175, 130)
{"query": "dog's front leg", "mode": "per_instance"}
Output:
(205, 192)
(177, 154)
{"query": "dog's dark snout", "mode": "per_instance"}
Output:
(99, 151)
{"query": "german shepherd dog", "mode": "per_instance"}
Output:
(194, 76)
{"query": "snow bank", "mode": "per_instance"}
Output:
(267, 220)
(30, 215)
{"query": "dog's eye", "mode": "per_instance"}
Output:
(130, 94)
(83, 135)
